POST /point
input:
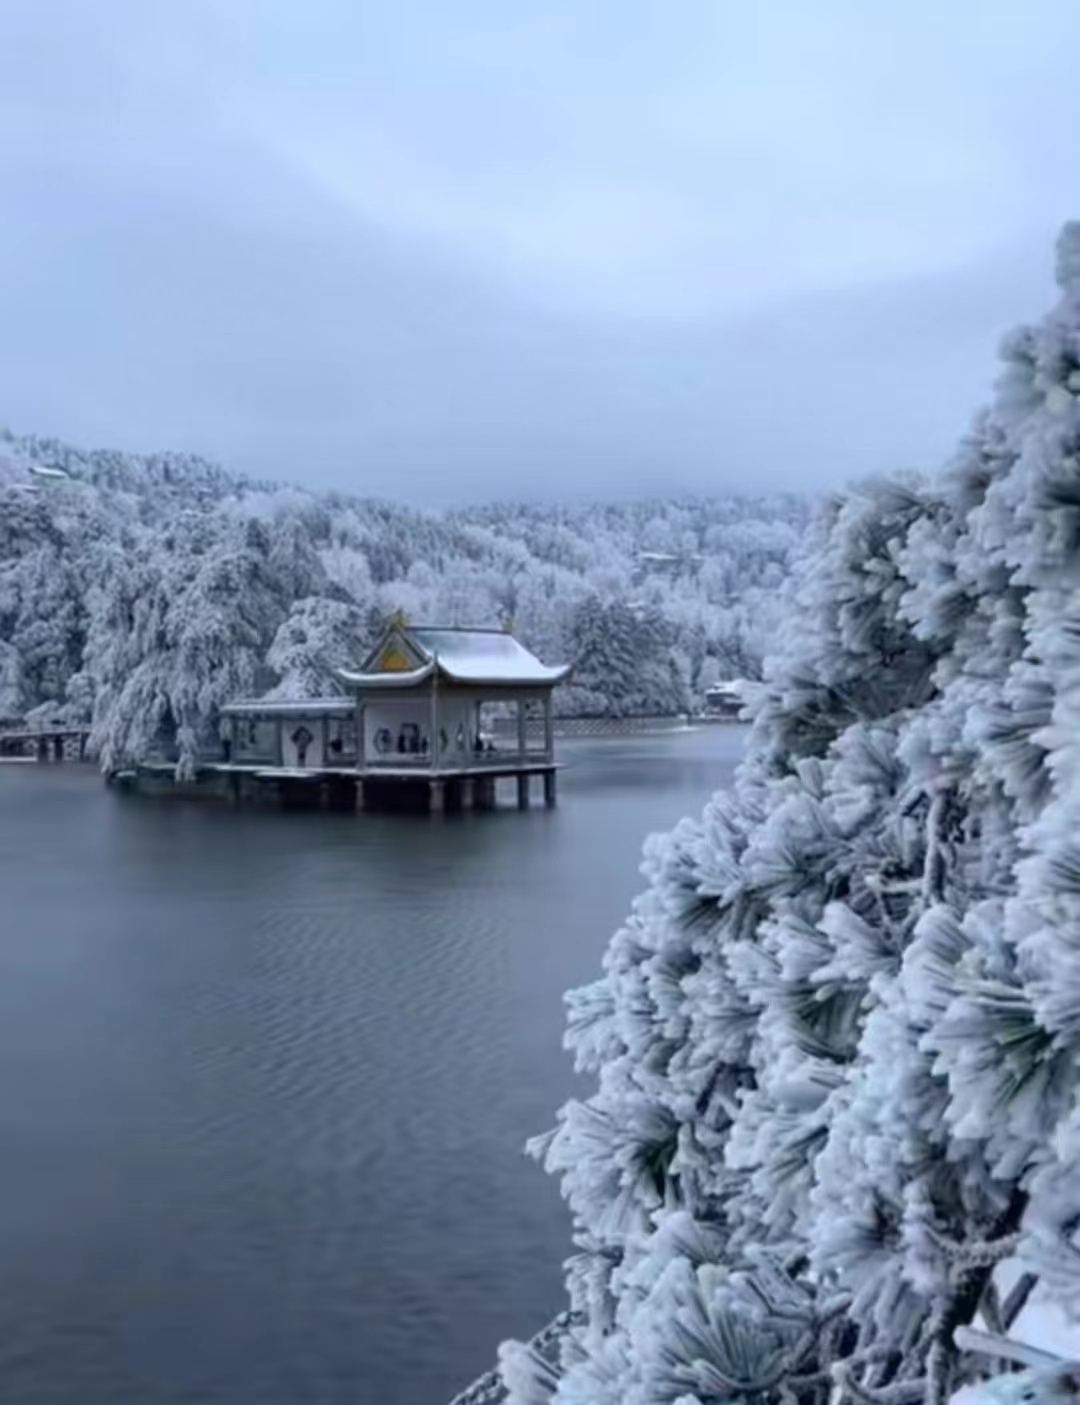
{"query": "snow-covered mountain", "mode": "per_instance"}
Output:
(140, 592)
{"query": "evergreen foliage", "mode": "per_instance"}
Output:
(835, 1045)
(625, 662)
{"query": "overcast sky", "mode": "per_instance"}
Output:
(441, 249)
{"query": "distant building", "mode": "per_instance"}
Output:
(422, 691)
(724, 701)
(414, 711)
(666, 564)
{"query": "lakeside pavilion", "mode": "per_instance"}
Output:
(432, 718)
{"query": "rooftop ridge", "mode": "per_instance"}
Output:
(459, 628)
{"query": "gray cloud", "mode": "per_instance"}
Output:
(447, 251)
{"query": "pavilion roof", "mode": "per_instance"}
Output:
(289, 707)
(486, 657)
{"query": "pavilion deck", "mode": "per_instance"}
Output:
(385, 786)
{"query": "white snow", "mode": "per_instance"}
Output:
(484, 656)
(1044, 1324)
(403, 678)
(480, 656)
(289, 707)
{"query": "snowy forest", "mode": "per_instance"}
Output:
(140, 593)
(835, 1128)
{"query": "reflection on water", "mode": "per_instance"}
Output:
(265, 1079)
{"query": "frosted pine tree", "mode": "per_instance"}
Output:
(836, 1045)
(11, 686)
(319, 636)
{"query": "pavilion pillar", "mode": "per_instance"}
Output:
(549, 727)
(361, 742)
(522, 728)
(549, 789)
(435, 749)
(279, 742)
(523, 790)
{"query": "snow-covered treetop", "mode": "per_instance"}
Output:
(1068, 259)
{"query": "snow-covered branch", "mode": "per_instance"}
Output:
(846, 1007)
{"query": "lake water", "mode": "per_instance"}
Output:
(265, 1079)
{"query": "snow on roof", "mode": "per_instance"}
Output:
(484, 656)
(388, 678)
(480, 656)
(289, 707)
